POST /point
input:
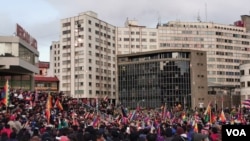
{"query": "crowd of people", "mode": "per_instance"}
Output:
(42, 116)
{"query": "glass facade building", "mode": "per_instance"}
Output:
(154, 79)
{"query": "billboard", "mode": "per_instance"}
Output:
(23, 34)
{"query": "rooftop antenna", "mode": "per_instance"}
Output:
(198, 17)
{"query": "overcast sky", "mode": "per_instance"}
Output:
(41, 18)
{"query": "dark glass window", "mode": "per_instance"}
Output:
(155, 82)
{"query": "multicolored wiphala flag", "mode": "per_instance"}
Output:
(5, 94)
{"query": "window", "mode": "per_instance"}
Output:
(66, 24)
(248, 83)
(242, 72)
(242, 84)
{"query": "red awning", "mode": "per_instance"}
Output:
(46, 79)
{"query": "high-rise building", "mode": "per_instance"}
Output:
(85, 58)
(227, 46)
(54, 59)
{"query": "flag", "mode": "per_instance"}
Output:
(47, 114)
(183, 116)
(196, 128)
(5, 99)
(208, 109)
(213, 118)
(133, 116)
(59, 105)
(48, 108)
(246, 103)
(222, 117)
(207, 113)
(49, 102)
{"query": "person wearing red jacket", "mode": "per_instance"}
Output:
(214, 136)
(7, 130)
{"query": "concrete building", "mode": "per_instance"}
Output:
(85, 60)
(18, 60)
(245, 81)
(134, 38)
(171, 76)
(227, 46)
(54, 59)
(45, 82)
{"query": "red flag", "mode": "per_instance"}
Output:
(49, 102)
(59, 105)
(47, 114)
(48, 107)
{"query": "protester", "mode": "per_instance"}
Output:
(42, 116)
